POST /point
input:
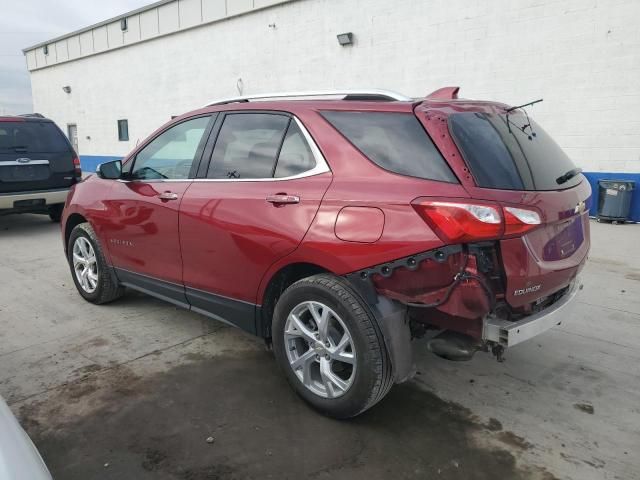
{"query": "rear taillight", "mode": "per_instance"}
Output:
(77, 170)
(519, 220)
(462, 222)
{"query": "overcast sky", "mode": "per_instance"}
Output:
(27, 22)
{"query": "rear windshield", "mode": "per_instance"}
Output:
(31, 137)
(394, 141)
(510, 152)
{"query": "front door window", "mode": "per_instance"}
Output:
(171, 154)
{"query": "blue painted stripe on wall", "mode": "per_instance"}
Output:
(593, 177)
(89, 163)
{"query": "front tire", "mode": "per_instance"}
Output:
(330, 347)
(89, 269)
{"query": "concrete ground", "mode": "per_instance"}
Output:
(132, 390)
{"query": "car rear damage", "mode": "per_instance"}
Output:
(509, 266)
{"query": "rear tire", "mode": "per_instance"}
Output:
(55, 212)
(338, 382)
(91, 273)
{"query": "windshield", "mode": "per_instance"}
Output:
(31, 137)
(510, 152)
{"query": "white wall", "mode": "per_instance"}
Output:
(581, 56)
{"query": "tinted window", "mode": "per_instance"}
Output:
(171, 154)
(394, 141)
(247, 146)
(123, 130)
(511, 154)
(32, 137)
(295, 155)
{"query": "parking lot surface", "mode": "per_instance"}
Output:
(140, 389)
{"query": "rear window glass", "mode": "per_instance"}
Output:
(511, 153)
(31, 137)
(394, 141)
(247, 145)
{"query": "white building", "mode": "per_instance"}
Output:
(581, 56)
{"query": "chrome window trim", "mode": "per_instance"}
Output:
(321, 166)
(11, 163)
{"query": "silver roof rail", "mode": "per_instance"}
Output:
(371, 94)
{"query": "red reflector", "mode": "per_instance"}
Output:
(76, 168)
(461, 222)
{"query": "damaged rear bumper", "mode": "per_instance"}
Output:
(508, 334)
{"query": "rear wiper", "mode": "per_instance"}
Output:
(511, 109)
(568, 176)
(523, 128)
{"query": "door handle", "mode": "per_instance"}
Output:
(168, 196)
(283, 198)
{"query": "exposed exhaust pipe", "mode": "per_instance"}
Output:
(453, 346)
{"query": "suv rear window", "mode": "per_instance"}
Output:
(31, 137)
(511, 153)
(394, 141)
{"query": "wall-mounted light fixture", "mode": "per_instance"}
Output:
(45, 49)
(345, 39)
(66, 89)
(124, 24)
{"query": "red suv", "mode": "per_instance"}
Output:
(341, 225)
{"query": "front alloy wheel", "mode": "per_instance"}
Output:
(91, 273)
(85, 264)
(320, 349)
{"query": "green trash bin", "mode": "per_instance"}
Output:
(614, 199)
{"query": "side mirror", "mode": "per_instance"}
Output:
(110, 170)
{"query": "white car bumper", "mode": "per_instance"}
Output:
(509, 334)
(50, 197)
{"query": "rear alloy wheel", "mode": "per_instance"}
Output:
(320, 349)
(89, 269)
(330, 347)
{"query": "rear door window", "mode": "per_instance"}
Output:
(247, 146)
(394, 141)
(32, 137)
(510, 152)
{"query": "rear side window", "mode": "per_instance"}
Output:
(295, 155)
(247, 146)
(394, 141)
(510, 152)
(31, 137)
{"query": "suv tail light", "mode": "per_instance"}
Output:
(519, 220)
(77, 170)
(462, 222)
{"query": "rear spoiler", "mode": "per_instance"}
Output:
(444, 93)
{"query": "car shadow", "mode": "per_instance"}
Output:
(26, 223)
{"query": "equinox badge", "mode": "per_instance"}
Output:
(525, 291)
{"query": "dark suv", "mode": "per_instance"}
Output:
(37, 166)
(341, 226)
